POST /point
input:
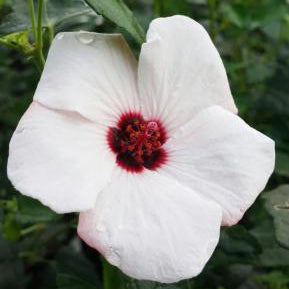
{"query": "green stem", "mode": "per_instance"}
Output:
(5, 43)
(50, 28)
(39, 42)
(49, 24)
(37, 64)
(37, 33)
(112, 278)
(33, 228)
(33, 20)
(158, 7)
(189, 284)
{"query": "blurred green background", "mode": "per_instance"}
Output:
(40, 249)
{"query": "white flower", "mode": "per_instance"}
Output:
(152, 153)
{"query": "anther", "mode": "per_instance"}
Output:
(137, 143)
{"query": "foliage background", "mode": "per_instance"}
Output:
(40, 249)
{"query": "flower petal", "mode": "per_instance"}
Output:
(181, 72)
(223, 159)
(90, 73)
(152, 228)
(59, 158)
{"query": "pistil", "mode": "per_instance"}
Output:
(137, 143)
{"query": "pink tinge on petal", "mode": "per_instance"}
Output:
(222, 158)
(180, 72)
(96, 79)
(151, 227)
(59, 158)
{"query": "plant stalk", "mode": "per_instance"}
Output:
(33, 19)
(39, 42)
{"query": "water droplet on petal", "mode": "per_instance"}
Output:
(60, 36)
(100, 228)
(113, 256)
(99, 20)
(85, 37)
(20, 130)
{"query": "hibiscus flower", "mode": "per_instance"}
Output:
(151, 153)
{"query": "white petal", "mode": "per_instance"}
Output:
(59, 158)
(152, 228)
(222, 158)
(181, 72)
(90, 73)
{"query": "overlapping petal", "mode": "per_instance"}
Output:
(59, 158)
(223, 159)
(180, 72)
(152, 228)
(93, 74)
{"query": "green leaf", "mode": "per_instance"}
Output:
(282, 164)
(171, 7)
(234, 14)
(112, 277)
(117, 12)
(11, 228)
(15, 17)
(74, 270)
(11, 267)
(277, 205)
(274, 279)
(32, 211)
(259, 70)
(9, 205)
(250, 16)
(274, 257)
(237, 239)
(18, 41)
(58, 12)
(67, 281)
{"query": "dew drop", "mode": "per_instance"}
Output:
(113, 256)
(60, 36)
(100, 228)
(85, 37)
(99, 20)
(20, 130)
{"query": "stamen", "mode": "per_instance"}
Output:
(152, 128)
(137, 143)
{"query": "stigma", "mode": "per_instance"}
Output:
(137, 143)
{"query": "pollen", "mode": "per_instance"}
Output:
(137, 143)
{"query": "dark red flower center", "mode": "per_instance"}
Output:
(137, 143)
